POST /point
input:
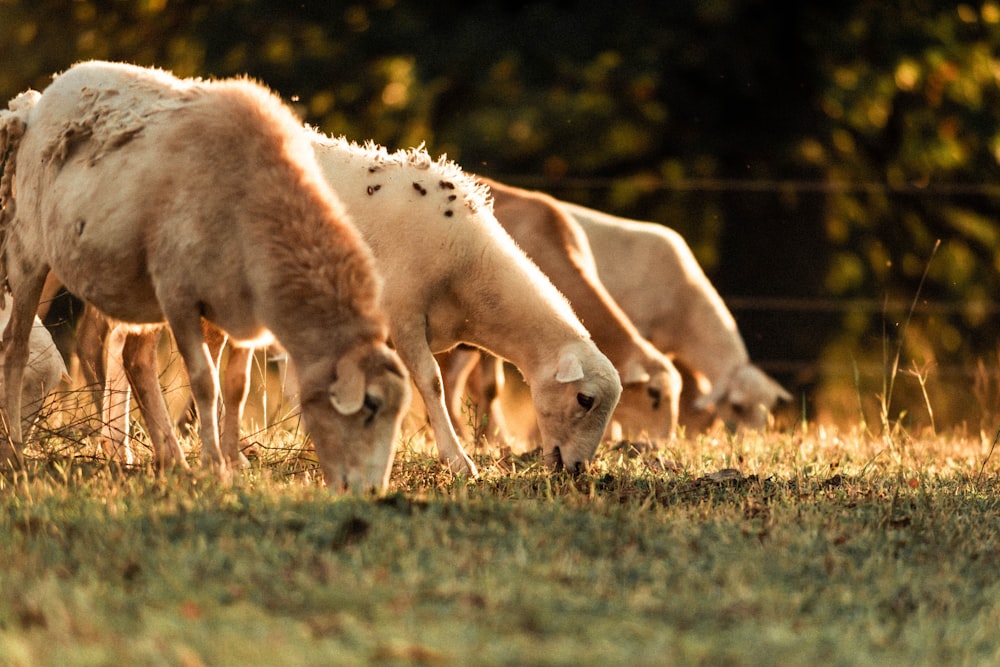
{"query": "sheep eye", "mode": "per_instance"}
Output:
(586, 402)
(655, 395)
(372, 405)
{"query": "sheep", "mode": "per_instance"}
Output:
(165, 200)
(453, 275)
(652, 273)
(44, 371)
(557, 244)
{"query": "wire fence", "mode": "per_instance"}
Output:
(894, 309)
(829, 305)
(650, 183)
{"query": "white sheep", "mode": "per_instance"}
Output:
(558, 246)
(654, 276)
(160, 199)
(42, 374)
(453, 275)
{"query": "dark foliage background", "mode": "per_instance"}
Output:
(812, 156)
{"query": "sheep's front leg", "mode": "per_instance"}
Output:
(215, 338)
(204, 386)
(27, 290)
(141, 366)
(426, 374)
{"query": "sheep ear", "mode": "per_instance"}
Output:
(704, 402)
(635, 374)
(347, 392)
(569, 369)
(780, 391)
(709, 400)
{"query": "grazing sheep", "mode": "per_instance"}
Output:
(654, 276)
(558, 246)
(43, 372)
(453, 275)
(159, 199)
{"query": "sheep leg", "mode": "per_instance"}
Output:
(457, 368)
(235, 389)
(478, 378)
(49, 293)
(204, 381)
(92, 334)
(115, 398)
(26, 291)
(215, 338)
(140, 366)
(492, 381)
(426, 374)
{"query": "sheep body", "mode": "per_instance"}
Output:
(651, 272)
(453, 275)
(160, 199)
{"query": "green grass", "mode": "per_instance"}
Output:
(826, 549)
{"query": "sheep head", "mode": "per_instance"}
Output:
(745, 399)
(650, 400)
(574, 397)
(353, 415)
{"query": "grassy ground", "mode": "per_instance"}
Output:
(797, 548)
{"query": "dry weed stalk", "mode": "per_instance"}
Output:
(889, 380)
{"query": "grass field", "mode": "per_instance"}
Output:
(798, 548)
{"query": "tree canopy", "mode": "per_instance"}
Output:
(813, 156)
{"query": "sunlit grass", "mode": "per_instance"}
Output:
(803, 547)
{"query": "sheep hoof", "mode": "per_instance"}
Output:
(172, 462)
(241, 462)
(462, 465)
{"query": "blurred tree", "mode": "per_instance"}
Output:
(908, 110)
(811, 152)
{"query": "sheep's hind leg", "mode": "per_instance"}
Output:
(140, 365)
(92, 340)
(456, 369)
(115, 397)
(235, 388)
(491, 377)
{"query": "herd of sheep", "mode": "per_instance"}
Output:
(207, 206)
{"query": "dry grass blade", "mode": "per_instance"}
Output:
(889, 380)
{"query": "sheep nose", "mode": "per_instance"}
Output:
(558, 464)
(555, 459)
